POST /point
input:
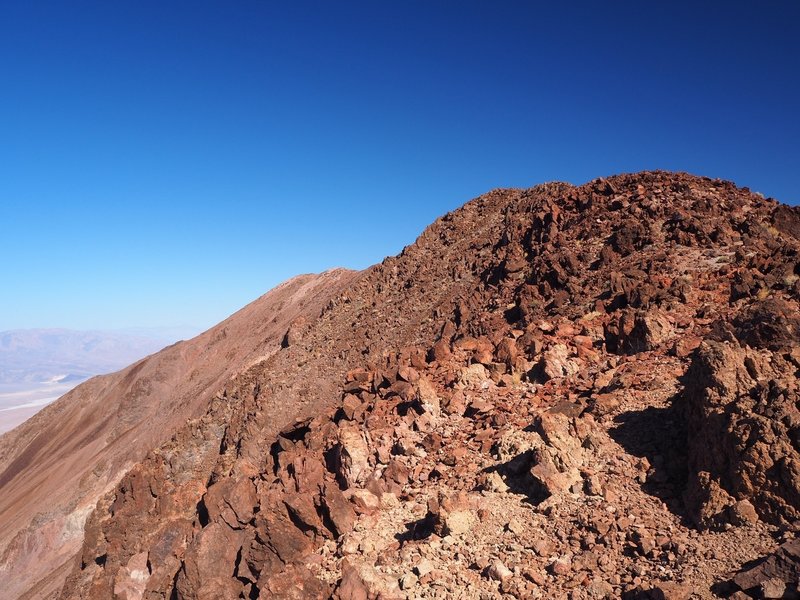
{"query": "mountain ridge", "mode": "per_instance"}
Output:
(109, 414)
(505, 364)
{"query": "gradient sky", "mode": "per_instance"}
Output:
(164, 163)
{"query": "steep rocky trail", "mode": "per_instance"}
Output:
(532, 401)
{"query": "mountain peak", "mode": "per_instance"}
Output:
(526, 400)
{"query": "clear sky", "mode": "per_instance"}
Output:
(163, 163)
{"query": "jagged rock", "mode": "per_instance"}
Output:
(428, 398)
(474, 376)
(409, 374)
(295, 332)
(671, 591)
(773, 588)
(423, 567)
(209, 561)
(741, 409)
(440, 351)
(294, 582)
(604, 404)
(279, 532)
(408, 581)
(492, 482)
(305, 513)
(556, 462)
(781, 566)
(452, 515)
(709, 500)
(773, 323)
(338, 510)
(352, 457)
(632, 333)
(131, 581)
(482, 349)
(743, 512)
(362, 582)
(232, 501)
(650, 330)
(685, 345)
(507, 352)
(456, 404)
(556, 363)
(561, 566)
(365, 501)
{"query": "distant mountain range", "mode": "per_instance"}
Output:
(50, 355)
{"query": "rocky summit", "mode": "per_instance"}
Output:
(559, 392)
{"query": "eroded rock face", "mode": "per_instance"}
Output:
(742, 413)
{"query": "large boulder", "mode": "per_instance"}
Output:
(743, 425)
(781, 570)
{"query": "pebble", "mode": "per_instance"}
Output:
(424, 567)
(498, 571)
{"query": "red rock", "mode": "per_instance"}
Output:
(408, 374)
(556, 363)
(604, 404)
(685, 345)
(507, 352)
(784, 565)
(352, 457)
(362, 582)
(456, 404)
(427, 397)
(440, 351)
(295, 582)
(338, 509)
(207, 564)
(131, 580)
(671, 591)
(232, 501)
(365, 501)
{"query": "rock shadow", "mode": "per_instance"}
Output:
(516, 474)
(416, 530)
(659, 435)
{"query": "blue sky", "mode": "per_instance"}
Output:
(164, 163)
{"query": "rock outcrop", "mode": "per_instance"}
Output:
(744, 422)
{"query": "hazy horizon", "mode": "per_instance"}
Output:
(37, 366)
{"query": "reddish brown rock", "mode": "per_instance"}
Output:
(362, 582)
(551, 409)
(206, 569)
(295, 582)
(336, 507)
(742, 415)
(782, 566)
(556, 363)
(352, 455)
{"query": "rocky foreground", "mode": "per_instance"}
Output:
(562, 392)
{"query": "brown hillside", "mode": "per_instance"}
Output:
(561, 392)
(54, 467)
